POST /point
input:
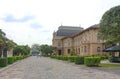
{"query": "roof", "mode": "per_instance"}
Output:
(68, 31)
(64, 32)
(96, 26)
(113, 49)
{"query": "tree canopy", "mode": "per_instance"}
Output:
(110, 26)
(46, 49)
(21, 50)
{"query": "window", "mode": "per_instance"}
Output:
(98, 49)
(76, 50)
(59, 44)
(68, 51)
(79, 50)
(68, 43)
(85, 50)
(86, 38)
(97, 38)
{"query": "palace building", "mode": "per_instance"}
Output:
(83, 42)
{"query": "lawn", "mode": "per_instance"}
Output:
(110, 65)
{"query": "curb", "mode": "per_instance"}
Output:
(9, 66)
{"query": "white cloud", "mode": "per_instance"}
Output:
(49, 14)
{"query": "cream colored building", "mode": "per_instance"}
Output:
(83, 42)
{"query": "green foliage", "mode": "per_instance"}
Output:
(71, 58)
(19, 57)
(109, 65)
(35, 47)
(114, 59)
(73, 53)
(46, 50)
(102, 57)
(79, 60)
(65, 58)
(110, 25)
(1, 42)
(92, 61)
(23, 50)
(10, 60)
(3, 62)
(10, 44)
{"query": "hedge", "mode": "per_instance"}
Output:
(92, 61)
(71, 58)
(10, 60)
(3, 62)
(79, 60)
(65, 58)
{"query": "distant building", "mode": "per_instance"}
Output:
(34, 52)
(69, 39)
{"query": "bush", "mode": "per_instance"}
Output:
(10, 60)
(52, 56)
(92, 61)
(114, 59)
(14, 58)
(71, 58)
(65, 58)
(3, 62)
(19, 57)
(103, 57)
(59, 57)
(79, 60)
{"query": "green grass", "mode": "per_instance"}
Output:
(110, 65)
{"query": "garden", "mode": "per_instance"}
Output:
(90, 61)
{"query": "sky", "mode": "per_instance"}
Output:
(29, 22)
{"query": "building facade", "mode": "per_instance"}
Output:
(83, 42)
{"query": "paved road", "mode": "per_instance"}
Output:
(47, 68)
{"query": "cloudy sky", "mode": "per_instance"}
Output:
(33, 21)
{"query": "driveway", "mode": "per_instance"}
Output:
(47, 68)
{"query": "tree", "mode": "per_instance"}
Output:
(21, 50)
(110, 26)
(10, 44)
(35, 47)
(46, 50)
(2, 37)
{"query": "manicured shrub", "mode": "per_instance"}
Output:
(65, 58)
(52, 56)
(59, 57)
(14, 58)
(103, 57)
(3, 62)
(19, 57)
(71, 58)
(10, 60)
(79, 60)
(92, 61)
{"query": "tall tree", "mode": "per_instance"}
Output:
(21, 50)
(110, 26)
(2, 42)
(35, 47)
(46, 50)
